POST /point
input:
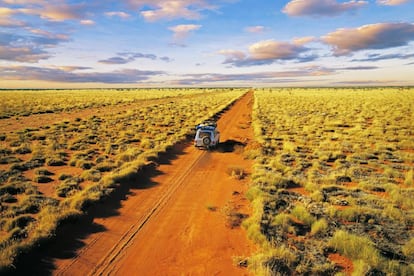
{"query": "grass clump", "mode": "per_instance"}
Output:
(319, 227)
(68, 187)
(303, 215)
(236, 172)
(408, 249)
(355, 247)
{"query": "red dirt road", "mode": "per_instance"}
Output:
(176, 222)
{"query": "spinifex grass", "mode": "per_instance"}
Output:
(333, 162)
(85, 159)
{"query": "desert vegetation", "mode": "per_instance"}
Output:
(332, 185)
(50, 173)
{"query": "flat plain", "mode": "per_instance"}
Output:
(314, 181)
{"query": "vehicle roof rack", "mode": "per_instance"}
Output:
(210, 125)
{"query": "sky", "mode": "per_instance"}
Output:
(199, 43)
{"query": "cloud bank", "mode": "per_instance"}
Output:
(75, 74)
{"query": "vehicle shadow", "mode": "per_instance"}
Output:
(230, 146)
(67, 239)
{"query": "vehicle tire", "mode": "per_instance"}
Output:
(206, 141)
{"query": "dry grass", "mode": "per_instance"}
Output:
(101, 151)
(353, 156)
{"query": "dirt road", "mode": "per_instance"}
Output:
(180, 219)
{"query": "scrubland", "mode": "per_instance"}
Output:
(332, 188)
(51, 172)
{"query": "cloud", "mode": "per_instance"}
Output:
(74, 76)
(357, 68)
(304, 40)
(30, 48)
(378, 57)
(87, 22)
(128, 57)
(262, 77)
(166, 59)
(6, 19)
(56, 11)
(171, 9)
(120, 14)
(267, 52)
(374, 36)
(53, 11)
(116, 60)
(320, 7)
(392, 2)
(182, 31)
(255, 29)
(22, 54)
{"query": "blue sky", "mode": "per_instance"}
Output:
(143, 43)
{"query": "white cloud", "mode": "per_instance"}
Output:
(182, 31)
(120, 14)
(271, 49)
(87, 22)
(320, 7)
(255, 29)
(392, 2)
(373, 36)
(171, 9)
(304, 40)
(267, 52)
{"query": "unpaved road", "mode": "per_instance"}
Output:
(173, 221)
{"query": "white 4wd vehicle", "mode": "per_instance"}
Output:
(207, 135)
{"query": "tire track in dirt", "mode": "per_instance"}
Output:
(187, 236)
(104, 265)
